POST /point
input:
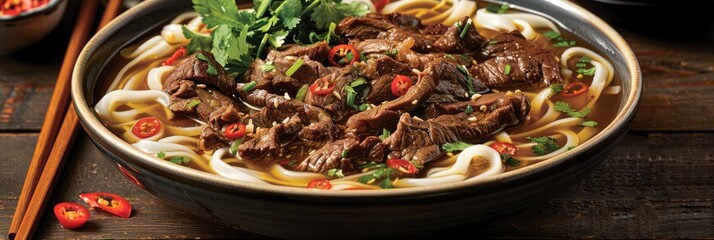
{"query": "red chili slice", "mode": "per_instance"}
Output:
(109, 202)
(401, 84)
(146, 127)
(235, 131)
(179, 53)
(402, 165)
(379, 5)
(342, 52)
(574, 89)
(504, 147)
(71, 215)
(319, 184)
(322, 89)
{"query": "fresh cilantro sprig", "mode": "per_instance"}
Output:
(239, 36)
(455, 146)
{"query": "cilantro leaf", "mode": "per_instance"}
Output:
(509, 160)
(198, 42)
(556, 88)
(335, 172)
(277, 39)
(455, 146)
(290, 13)
(222, 12)
(180, 160)
(161, 155)
(385, 134)
(564, 107)
(267, 67)
(544, 145)
(324, 14)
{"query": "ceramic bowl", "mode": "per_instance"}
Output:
(289, 212)
(26, 28)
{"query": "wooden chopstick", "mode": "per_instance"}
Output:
(29, 207)
(58, 105)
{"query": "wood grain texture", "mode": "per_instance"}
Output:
(653, 186)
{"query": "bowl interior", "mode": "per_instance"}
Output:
(149, 16)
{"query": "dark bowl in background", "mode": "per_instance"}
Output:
(289, 212)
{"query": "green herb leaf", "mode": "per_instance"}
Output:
(233, 150)
(180, 160)
(509, 160)
(564, 43)
(551, 34)
(586, 72)
(161, 155)
(386, 184)
(344, 153)
(507, 69)
(469, 79)
(497, 8)
(584, 59)
(556, 88)
(363, 107)
(335, 172)
(385, 134)
(564, 107)
(198, 42)
(465, 28)
(223, 12)
(455, 146)
(544, 145)
(589, 124)
(290, 11)
(469, 109)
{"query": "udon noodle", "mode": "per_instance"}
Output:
(136, 92)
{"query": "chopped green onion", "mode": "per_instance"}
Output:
(507, 69)
(469, 79)
(193, 103)
(581, 65)
(358, 82)
(469, 109)
(551, 34)
(449, 56)
(385, 134)
(556, 88)
(249, 86)
(584, 59)
(589, 124)
(161, 155)
(497, 8)
(586, 72)
(465, 29)
(233, 150)
(180, 160)
(351, 94)
(363, 107)
(564, 43)
(301, 93)
(492, 42)
(294, 67)
(344, 153)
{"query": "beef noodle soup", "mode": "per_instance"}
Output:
(423, 93)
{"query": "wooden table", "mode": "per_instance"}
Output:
(659, 183)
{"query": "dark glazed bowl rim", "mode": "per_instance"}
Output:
(32, 12)
(101, 135)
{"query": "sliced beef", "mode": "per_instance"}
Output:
(381, 71)
(275, 78)
(401, 51)
(316, 52)
(334, 103)
(452, 83)
(529, 64)
(452, 42)
(394, 27)
(372, 119)
(304, 122)
(195, 69)
(419, 139)
(330, 156)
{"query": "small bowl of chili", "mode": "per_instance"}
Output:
(24, 22)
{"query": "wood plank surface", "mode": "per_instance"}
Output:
(653, 186)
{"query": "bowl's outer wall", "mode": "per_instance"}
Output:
(278, 214)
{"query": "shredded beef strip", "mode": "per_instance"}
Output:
(529, 64)
(419, 140)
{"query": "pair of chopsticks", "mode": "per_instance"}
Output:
(55, 136)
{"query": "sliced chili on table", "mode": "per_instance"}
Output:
(71, 215)
(322, 86)
(235, 131)
(574, 89)
(343, 55)
(401, 165)
(179, 53)
(401, 84)
(319, 184)
(504, 147)
(147, 127)
(109, 202)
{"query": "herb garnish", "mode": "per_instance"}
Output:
(236, 33)
(233, 150)
(557, 87)
(564, 107)
(560, 41)
(469, 79)
(193, 103)
(589, 124)
(544, 145)
(509, 160)
(455, 146)
(507, 70)
(385, 134)
(180, 160)
(301, 93)
(335, 172)
(497, 8)
(267, 67)
(161, 155)
(469, 109)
